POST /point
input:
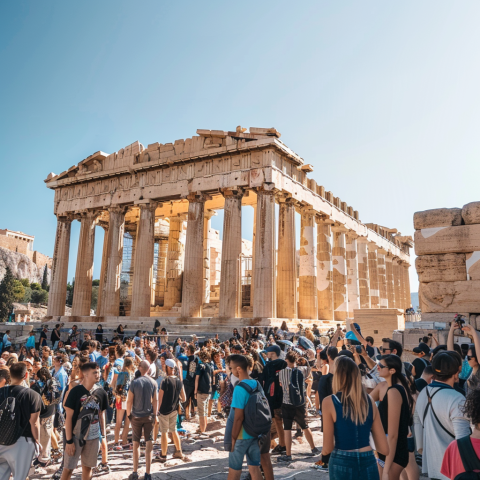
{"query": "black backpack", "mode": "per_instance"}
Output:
(469, 459)
(296, 388)
(10, 418)
(258, 418)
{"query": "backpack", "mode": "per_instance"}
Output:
(10, 418)
(52, 392)
(469, 459)
(296, 388)
(258, 418)
(85, 417)
(226, 397)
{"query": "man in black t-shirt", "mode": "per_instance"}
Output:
(169, 395)
(203, 388)
(18, 457)
(419, 364)
(189, 381)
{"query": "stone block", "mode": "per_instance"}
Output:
(459, 239)
(473, 265)
(471, 213)
(438, 217)
(453, 297)
(443, 317)
(448, 267)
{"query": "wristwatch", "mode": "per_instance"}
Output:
(69, 442)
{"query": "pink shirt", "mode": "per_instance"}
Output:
(452, 463)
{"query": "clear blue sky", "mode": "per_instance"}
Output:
(383, 98)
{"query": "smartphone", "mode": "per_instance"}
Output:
(358, 348)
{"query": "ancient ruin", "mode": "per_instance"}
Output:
(155, 205)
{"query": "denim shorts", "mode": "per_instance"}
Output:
(249, 447)
(352, 466)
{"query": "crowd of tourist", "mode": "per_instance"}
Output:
(381, 415)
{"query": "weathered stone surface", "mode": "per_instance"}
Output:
(461, 239)
(438, 217)
(448, 267)
(473, 265)
(471, 213)
(450, 296)
(21, 266)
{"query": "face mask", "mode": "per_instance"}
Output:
(234, 380)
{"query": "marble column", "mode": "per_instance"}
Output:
(144, 255)
(373, 270)
(363, 272)
(252, 282)
(353, 288)
(207, 224)
(340, 293)
(406, 285)
(175, 261)
(111, 293)
(57, 296)
(397, 283)
(231, 250)
(382, 278)
(390, 284)
(161, 282)
(324, 269)
(264, 304)
(286, 264)
(82, 294)
(307, 291)
(192, 293)
(103, 269)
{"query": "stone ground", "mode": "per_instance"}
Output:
(208, 460)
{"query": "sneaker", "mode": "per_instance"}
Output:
(133, 476)
(315, 451)
(278, 450)
(147, 476)
(117, 447)
(104, 468)
(57, 475)
(285, 458)
(298, 434)
(321, 468)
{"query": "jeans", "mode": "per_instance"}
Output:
(352, 466)
(248, 447)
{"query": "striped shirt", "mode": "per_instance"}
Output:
(285, 376)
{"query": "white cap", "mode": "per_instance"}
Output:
(170, 363)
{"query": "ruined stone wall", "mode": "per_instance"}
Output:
(447, 242)
(41, 260)
(21, 266)
(16, 245)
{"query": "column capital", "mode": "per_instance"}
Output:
(92, 213)
(284, 197)
(305, 209)
(67, 217)
(389, 257)
(381, 251)
(323, 219)
(122, 209)
(362, 240)
(146, 205)
(267, 189)
(208, 214)
(372, 246)
(197, 197)
(352, 235)
(337, 228)
(233, 192)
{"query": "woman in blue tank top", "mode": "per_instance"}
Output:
(349, 415)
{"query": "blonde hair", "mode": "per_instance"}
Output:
(309, 335)
(348, 381)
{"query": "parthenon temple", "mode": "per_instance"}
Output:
(161, 257)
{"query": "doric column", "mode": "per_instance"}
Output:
(324, 269)
(406, 286)
(192, 295)
(161, 281)
(373, 270)
(286, 264)
(382, 278)
(143, 267)
(340, 294)
(252, 289)
(397, 283)
(264, 304)
(82, 294)
(103, 268)
(111, 293)
(353, 288)
(58, 286)
(175, 261)
(390, 284)
(307, 292)
(207, 223)
(231, 251)
(363, 272)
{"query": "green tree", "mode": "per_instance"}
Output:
(39, 296)
(70, 289)
(95, 283)
(28, 295)
(25, 282)
(7, 294)
(94, 303)
(45, 279)
(35, 286)
(19, 290)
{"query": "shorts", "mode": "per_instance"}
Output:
(292, 413)
(88, 454)
(248, 447)
(144, 424)
(202, 404)
(190, 394)
(168, 423)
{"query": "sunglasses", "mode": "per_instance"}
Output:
(471, 357)
(381, 366)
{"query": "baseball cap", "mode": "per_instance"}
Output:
(445, 364)
(273, 348)
(422, 348)
(345, 353)
(357, 327)
(170, 363)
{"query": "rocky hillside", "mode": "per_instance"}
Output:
(21, 266)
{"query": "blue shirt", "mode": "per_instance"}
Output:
(118, 365)
(6, 341)
(30, 342)
(94, 355)
(239, 400)
(102, 361)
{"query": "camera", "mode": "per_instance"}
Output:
(358, 348)
(459, 320)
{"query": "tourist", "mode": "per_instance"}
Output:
(473, 381)
(218, 374)
(425, 379)
(325, 383)
(30, 342)
(142, 405)
(7, 341)
(422, 352)
(55, 336)
(189, 382)
(121, 385)
(349, 416)
(171, 392)
(120, 332)
(43, 337)
(99, 333)
(203, 388)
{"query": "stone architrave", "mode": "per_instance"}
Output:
(363, 272)
(390, 281)
(111, 292)
(286, 264)
(231, 251)
(307, 294)
(452, 297)
(382, 278)
(58, 286)
(144, 256)
(103, 268)
(340, 293)
(264, 304)
(192, 290)
(373, 270)
(175, 261)
(207, 223)
(161, 281)
(449, 267)
(82, 294)
(438, 217)
(324, 269)
(353, 287)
